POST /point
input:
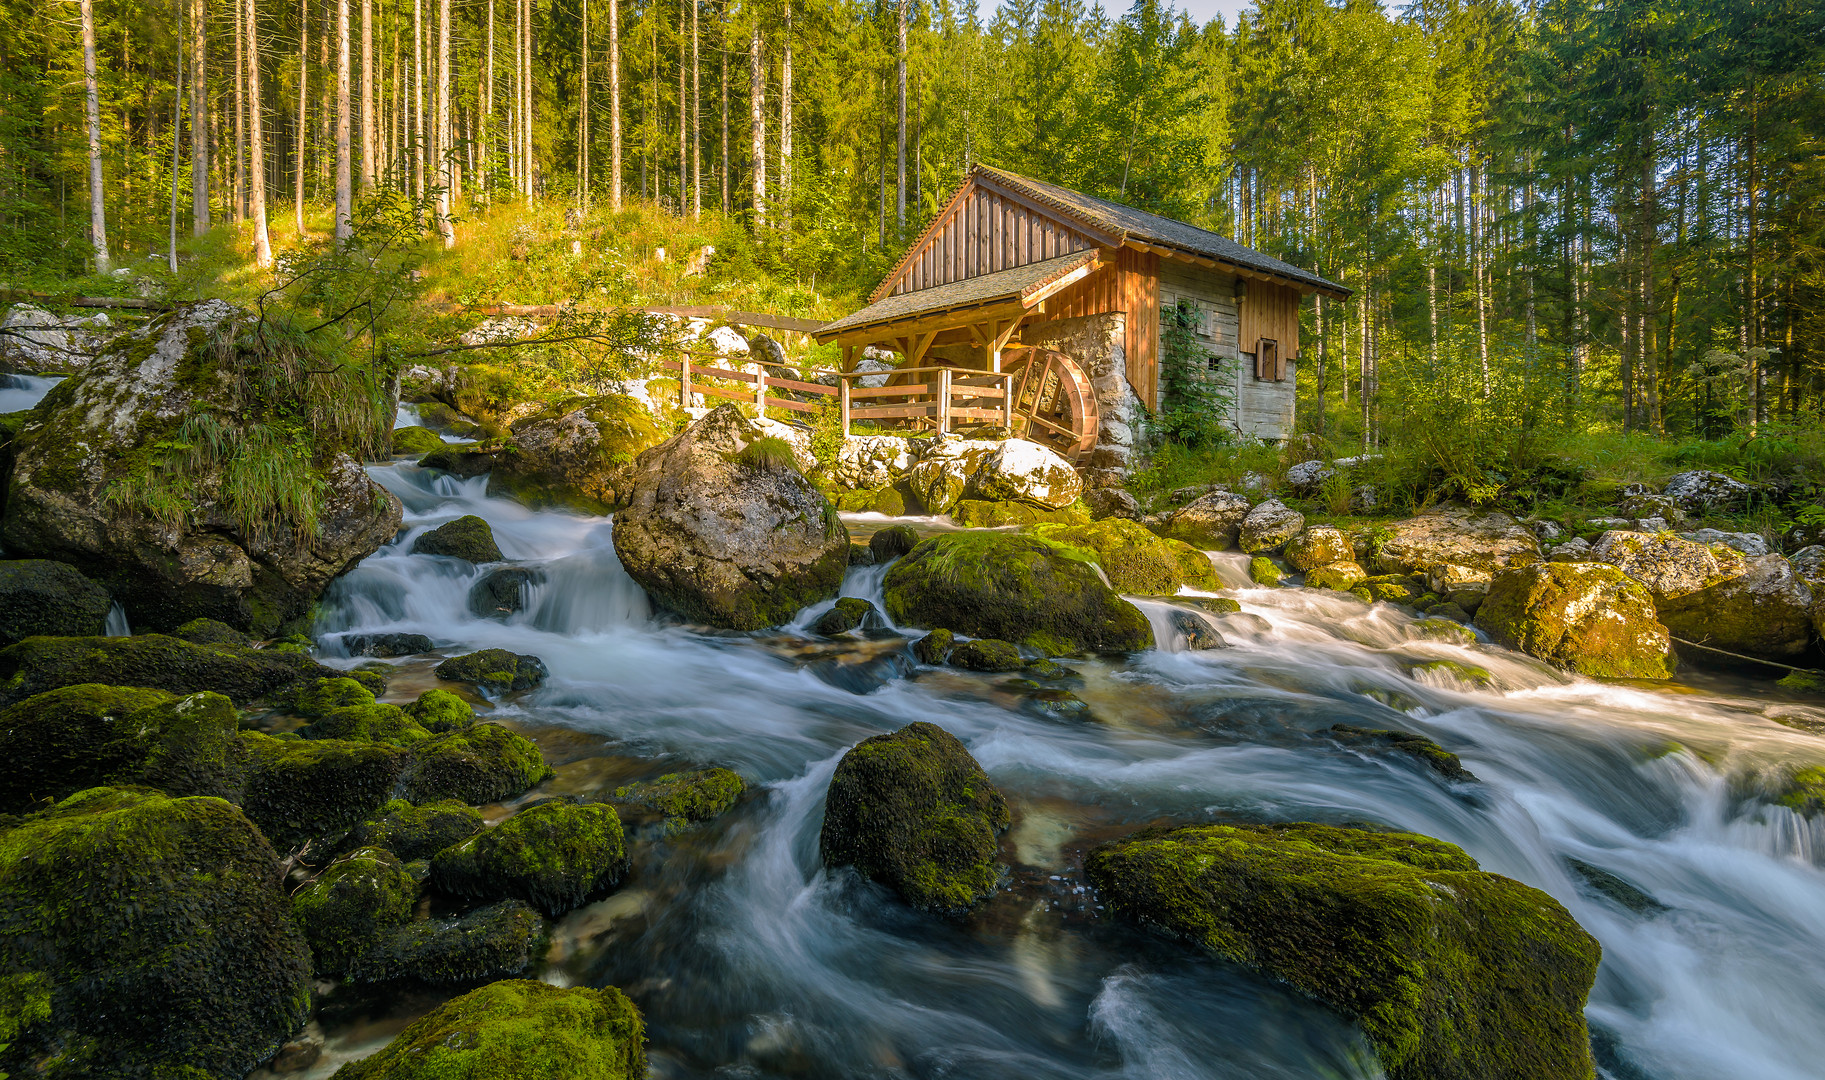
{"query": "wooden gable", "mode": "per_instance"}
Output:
(986, 228)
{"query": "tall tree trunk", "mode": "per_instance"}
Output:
(487, 103)
(757, 125)
(345, 202)
(1650, 318)
(98, 219)
(785, 124)
(530, 173)
(418, 100)
(256, 143)
(304, 37)
(684, 127)
(900, 152)
(177, 130)
(1752, 320)
(583, 120)
(696, 117)
(1479, 267)
(199, 119)
(240, 114)
(369, 129)
(614, 104)
(445, 159)
(725, 108)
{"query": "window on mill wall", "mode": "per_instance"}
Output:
(1197, 395)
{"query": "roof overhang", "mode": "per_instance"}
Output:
(902, 315)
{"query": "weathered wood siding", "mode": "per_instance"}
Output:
(1127, 282)
(1271, 311)
(984, 231)
(1262, 407)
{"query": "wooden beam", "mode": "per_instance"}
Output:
(887, 331)
(921, 343)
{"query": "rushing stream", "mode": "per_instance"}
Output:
(749, 960)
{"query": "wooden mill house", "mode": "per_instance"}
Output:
(1057, 300)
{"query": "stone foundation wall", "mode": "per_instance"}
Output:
(1097, 343)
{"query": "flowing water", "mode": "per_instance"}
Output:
(750, 960)
(24, 391)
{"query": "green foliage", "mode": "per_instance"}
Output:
(1196, 395)
(768, 454)
(827, 434)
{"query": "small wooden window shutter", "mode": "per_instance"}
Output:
(1268, 364)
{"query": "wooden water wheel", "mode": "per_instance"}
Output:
(1054, 403)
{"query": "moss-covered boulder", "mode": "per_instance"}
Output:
(1588, 617)
(555, 856)
(352, 906)
(1670, 566)
(892, 542)
(1319, 545)
(1340, 576)
(1268, 527)
(935, 647)
(1434, 756)
(1211, 522)
(38, 596)
(1017, 588)
(415, 442)
(915, 812)
(575, 453)
(494, 669)
(480, 764)
(499, 941)
(1136, 560)
(1482, 540)
(468, 538)
(418, 832)
(519, 1029)
(158, 934)
(993, 514)
(1765, 611)
(1263, 571)
(301, 789)
(727, 540)
(987, 654)
(152, 660)
(849, 613)
(440, 711)
(375, 722)
(211, 632)
(193, 470)
(1453, 973)
(686, 798)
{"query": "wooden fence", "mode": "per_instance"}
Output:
(942, 395)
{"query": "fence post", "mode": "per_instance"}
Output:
(1007, 403)
(842, 402)
(684, 380)
(760, 390)
(944, 401)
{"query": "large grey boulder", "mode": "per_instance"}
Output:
(1211, 522)
(1488, 540)
(1023, 471)
(1307, 477)
(1700, 490)
(35, 341)
(153, 472)
(871, 461)
(1765, 611)
(575, 453)
(733, 539)
(1670, 566)
(1588, 617)
(1750, 544)
(945, 469)
(1268, 527)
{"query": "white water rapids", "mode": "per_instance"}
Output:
(749, 960)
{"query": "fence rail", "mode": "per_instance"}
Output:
(944, 396)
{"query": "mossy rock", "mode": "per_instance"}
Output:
(1014, 587)
(301, 789)
(1388, 592)
(494, 669)
(481, 764)
(935, 647)
(1435, 757)
(1589, 617)
(494, 942)
(418, 831)
(155, 661)
(987, 514)
(849, 613)
(1135, 560)
(1341, 577)
(1468, 675)
(516, 1029)
(556, 856)
(1216, 605)
(321, 697)
(571, 454)
(892, 542)
(367, 723)
(1446, 630)
(468, 538)
(987, 654)
(1809, 682)
(859, 555)
(211, 632)
(415, 442)
(1362, 593)
(38, 596)
(352, 906)
(1453, 973)
(158, 936)
(1319, 545)
(1263, 571)
(439, 711)
(462, 463)
(1804, 792)
(686, 798)
(915, 812)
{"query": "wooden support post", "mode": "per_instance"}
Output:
(684, 380)
(1007, 403)
(842, 403)
(760, 390)
(944, 401)
(849, 358)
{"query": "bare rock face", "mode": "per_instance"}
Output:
(871, 461)
(943, 473)
(1210, 522)
(1701, 490)
(1670, 566)
(728, 536)
(206, 532)
(1483, 541)
(1268, 527)
(1023, 471)
(37, 341)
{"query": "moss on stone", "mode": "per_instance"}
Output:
(152, 660)
(892, 542)
(38, 596)
(1436, 757)
(686, 798)
(1263, 571)
(211, 632)
(156, 937)
(468, 538)
(1015, 587)
(849, 613)
(1589, 617)
(481, 764)
(321, 697)
(439, 711)
(352, 906)
(987, 514)
(494, 669)
(556, 856)
(415, 441)
(1452, 670)
(935, 647)
(418, 831)
(299, 789)
(494, 942)
(516, 1030)
(1342, 577)
(915, 812)
(367, 723)
(1453, 973)
(1455, 633)
(987, 654)
(1135, 560)
(1804, 792)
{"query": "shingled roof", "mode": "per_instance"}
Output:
(1152, 228)
(1016, 284)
